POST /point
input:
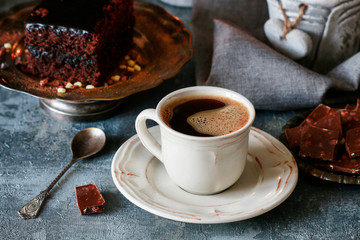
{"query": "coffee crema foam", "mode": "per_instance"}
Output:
(229, 115)
(220, 121)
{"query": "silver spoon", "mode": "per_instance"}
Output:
(85, 143)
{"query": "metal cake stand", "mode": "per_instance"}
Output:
(79, 111)
(160, 40)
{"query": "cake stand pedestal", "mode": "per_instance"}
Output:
(86, 111)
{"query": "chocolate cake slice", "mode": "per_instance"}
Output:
(78, 40)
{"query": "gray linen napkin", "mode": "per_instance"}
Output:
(234, 57)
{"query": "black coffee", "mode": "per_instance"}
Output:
(205, 115)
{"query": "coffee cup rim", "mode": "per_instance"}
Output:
(169, 97)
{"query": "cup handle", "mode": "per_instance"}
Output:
(144, 135)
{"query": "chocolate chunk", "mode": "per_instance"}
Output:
(293, 135)
(319, 143)
(89, 199)
(345, 165)
(350, 107)
(332, 121)
(325, 119)
(353, 107)
(318, 113)
(350, 119)
(352, 142)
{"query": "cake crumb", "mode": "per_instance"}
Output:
(44, 82)
(42, 11)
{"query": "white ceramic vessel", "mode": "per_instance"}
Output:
(200, 165)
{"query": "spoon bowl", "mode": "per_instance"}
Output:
(87, 142)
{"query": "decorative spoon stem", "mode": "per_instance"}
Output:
(31, 209)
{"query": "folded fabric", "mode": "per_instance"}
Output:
(236, 60)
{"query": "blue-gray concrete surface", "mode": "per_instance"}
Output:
(34, 147)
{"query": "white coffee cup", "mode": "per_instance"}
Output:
(199, 165)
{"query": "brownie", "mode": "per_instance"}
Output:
(319, 143)
(89, 199)
(78, 40)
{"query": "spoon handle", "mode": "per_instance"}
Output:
(60, 175)
(31, 209)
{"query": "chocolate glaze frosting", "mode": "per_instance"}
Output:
(77, 14)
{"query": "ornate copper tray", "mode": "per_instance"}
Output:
(160, 38)
(305, 164)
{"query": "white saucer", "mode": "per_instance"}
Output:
(269, 178)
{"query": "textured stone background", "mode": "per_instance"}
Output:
(34, 147)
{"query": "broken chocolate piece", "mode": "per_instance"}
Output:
(319, 143)
(350, 107)
(332, 121)
(293, 135)
(344, 165)
(89, 199)
(318, 113)
(353, 107)
(352, 142)
(350, 119)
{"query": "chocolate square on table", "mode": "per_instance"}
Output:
(319, 143)
(89, 199)
(352, 142)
